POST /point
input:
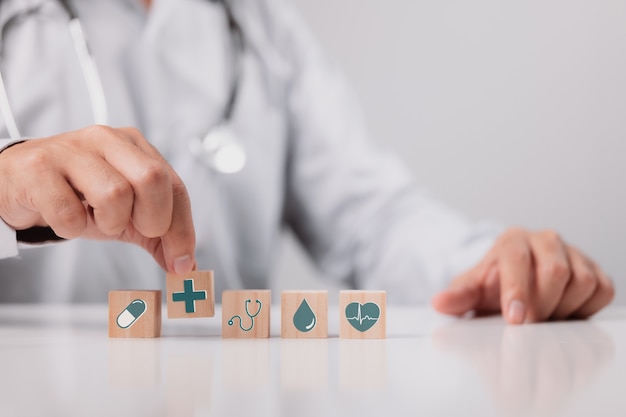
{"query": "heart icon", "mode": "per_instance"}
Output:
(362, 316)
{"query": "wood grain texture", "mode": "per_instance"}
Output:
(202, 282)
(237, 323)
(147, 324)
(292, 301)
(361, 316)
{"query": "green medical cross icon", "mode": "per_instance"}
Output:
(189, 296)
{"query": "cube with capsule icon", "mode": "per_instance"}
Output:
(134, 314)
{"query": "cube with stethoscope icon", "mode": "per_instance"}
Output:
(246, 314)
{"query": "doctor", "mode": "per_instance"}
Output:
(241, 127)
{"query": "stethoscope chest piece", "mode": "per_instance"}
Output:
(220, 150)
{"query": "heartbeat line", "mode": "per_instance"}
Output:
(361, 319)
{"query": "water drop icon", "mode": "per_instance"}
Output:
(304, 319)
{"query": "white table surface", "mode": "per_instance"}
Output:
(59, 361)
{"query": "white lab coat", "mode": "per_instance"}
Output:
(311, 165)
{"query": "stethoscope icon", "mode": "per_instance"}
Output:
(252, 316)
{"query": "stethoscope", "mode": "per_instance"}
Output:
(252, 316)
(219, 149)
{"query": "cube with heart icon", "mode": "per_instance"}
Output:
(362, 314)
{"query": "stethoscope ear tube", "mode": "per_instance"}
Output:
(88, 66)
(90, 73)
(89, 70)
(7, 114)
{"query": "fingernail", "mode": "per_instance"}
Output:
(183, 265)
(517, 312)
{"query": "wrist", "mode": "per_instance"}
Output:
(7, 143)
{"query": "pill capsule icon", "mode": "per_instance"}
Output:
(131, 313)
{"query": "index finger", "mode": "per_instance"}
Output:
(179, 242)
(516, 277)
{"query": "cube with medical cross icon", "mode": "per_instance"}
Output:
(190, 295)
(246, 314)
(362, 314)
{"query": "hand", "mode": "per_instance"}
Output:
(100, 183)
(530, 277)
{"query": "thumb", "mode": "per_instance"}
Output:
(463, 295)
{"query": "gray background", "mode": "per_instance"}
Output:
(513, 111)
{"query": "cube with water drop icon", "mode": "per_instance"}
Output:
(362, 314)
(304, 314)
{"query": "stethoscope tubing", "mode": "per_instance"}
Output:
(90, 73)
(7, 113)
(219, 148)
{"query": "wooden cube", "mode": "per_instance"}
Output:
(362, 314)
(304, 314)
(190, 295)
(135, 313)
(246, 314)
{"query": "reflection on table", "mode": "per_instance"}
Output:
(533, 369)
(58, 361)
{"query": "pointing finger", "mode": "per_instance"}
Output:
(180, 240)
(515, 276)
